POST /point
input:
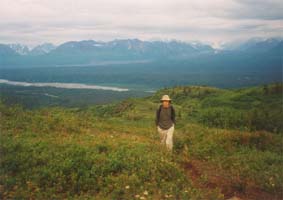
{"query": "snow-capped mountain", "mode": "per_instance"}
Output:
(253, 44)
(90, 52)
(19, 48)
(132, 48)
(42, 49)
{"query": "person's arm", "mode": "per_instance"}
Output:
(173, 115)
(157, 117)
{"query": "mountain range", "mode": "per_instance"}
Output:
(37, 50)
(90, 52)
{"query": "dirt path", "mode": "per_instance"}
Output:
(211, 180)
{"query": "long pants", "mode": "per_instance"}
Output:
(166, 136)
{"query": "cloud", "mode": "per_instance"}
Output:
(259, 9)
(37, 21)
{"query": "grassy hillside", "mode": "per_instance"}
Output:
(227, 143)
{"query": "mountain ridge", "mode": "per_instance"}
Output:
(87, 52)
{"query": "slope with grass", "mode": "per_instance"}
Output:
(227, 143)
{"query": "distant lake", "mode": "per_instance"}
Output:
(63, 85)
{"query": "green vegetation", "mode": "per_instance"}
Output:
(37, 97)
(221, 148)
(254, 108)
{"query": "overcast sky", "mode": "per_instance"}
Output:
(33, 22)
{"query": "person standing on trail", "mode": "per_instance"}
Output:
(165, 121)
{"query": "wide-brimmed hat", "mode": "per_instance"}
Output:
(165, 98)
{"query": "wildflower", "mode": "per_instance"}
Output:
(127, 187)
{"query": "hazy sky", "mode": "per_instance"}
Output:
(215, 21)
